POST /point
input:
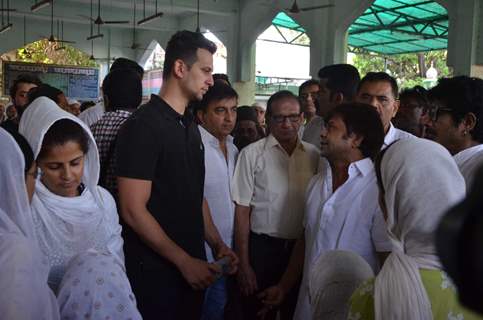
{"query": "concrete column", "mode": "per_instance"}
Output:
(327, 29)
(252, 20)
(464, 25)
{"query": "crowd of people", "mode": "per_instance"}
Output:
(321, 205)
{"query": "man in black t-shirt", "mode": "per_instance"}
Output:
(160, 169)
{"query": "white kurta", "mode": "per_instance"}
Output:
(347, 219)
(93, 114)
(469, 161)
(66, 227)
(218, 175)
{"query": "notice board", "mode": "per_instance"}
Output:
(81, 83)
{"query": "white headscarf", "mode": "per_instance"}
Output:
(334, 277)
(96, 284)
(421, 181)
(67, 226)
(23, 282)
(13, 192)
(37, 119)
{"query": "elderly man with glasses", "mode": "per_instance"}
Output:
(268, 188)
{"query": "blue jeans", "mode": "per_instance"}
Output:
(215, 301)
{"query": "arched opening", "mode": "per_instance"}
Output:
(56, 53)
(219, 59)
(282, 56)
(407, 39)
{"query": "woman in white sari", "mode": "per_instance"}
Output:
(71, 213)
(418, 181)
(25, 294)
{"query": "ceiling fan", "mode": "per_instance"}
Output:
(5, 27)
(296, 9)
(151, 17)
(99, 20)
(93, 36)
(51, 38)
(60, 35)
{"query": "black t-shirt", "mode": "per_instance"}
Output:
(158, 144)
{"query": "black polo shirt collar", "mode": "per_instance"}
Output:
(184, 119)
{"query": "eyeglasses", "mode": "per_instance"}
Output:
(435, 113)
(281, 119)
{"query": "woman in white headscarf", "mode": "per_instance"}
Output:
(70, 212)
(25, 294)
(333, 278)
(419, 181)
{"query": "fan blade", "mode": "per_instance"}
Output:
(95, 36)
(117, 22)
(316, 7)
(86, 17)
(66, 41)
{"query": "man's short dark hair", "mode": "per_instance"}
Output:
(246, 113)
(461, 95)
(184, 45)
(361, 119)
(124, 63)
(23, 78)
(44, 90)
(277, 96)
(308, 83)
(418, 94)
(217, 92)
(380, 77)
(221, 77)
(123, 89)
(341, 78)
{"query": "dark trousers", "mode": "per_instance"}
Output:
(269, 259)
(162, 293)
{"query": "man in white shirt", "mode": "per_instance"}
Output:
(338, 84)
(217, 113)
(456, 122)
(308, 93)
(381, 91)
(268, 188)
(342, 210)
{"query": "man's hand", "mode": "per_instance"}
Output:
(224, 251)
(271, 298)
(198, 273)
(247, 279)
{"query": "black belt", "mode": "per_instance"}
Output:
(273, 240)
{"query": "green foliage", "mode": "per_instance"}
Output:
(43, 51)
(404, 67)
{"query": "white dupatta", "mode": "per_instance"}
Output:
(23, 281)
(421, 181)
(67, 226)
